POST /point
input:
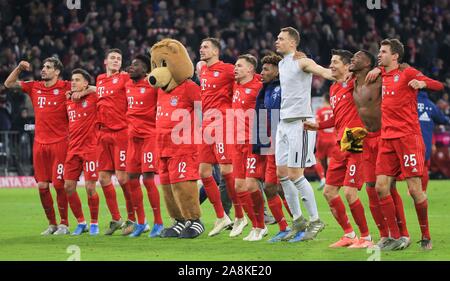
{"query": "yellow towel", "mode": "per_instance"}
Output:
(352, 139)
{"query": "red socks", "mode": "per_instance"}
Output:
(258, 207)
(357, 210)
(93, 203)
(47, 204)
(399, 212)
(422, 215)
(212, 191)
(276, 208)
(388, 209)
(129, 203)
(153, 197)
(247, 205)
(231, 190)
(61, 200)
(75, 206)
(338, 210)
(137, 199)
(111, 201)
(374, 203)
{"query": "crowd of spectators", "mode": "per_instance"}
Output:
(34, 30)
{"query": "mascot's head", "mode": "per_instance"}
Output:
(171, 65)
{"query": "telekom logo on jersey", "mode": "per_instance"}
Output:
(41, 101)
(72, 114)
(233, 121)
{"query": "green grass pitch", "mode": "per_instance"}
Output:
(23, 219)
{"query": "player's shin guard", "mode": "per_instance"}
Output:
(93, 202)
(247, 205)
(357, 210)
(129, 203)
(47, 204)
(229, 181)
(399, 212)
(212, 191)
(137, 199)
(338, 210)
(258, 207)
(374, 203)
(153, 197)
(307, 193)
(75, 206)
(63, 205)
(111, 201)
(276, 207)
(388, 210)
(422, 215)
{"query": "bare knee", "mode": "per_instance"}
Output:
(43, 185)
(90, 188)
(282, 172)
(330, 192)
(122, 177)
(70, 187)
(351, 194)
(104, 178)
(271, 190)
(205, 170)
(251, 184)
(226, 169)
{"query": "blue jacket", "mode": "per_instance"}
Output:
(268, 105)
(429, 114)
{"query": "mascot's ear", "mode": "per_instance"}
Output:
(173, 47)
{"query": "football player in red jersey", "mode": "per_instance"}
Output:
(326, 142)
(248, 168)
(142, 158)
(367, 97)
(50, 142)
(345, 169)
(401, 149)
(216, 78)
(113, 139)
(81, 155)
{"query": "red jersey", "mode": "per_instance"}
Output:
(344, 109)
(141, 113)
(217, 87)
(82, 118)
(399, 103)
(112, 100)
(324, 114)
(49, 105)
(175, 115)
(244, 98)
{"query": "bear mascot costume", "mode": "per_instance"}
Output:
(171, 71)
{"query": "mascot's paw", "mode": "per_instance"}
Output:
(174, 231)
(193, 228)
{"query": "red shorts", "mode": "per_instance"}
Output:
(345, 169)
(48, 162)
(178, 169)
(271, 170)
(326, 148)
(112, 150)
(215, 153)
(83, 162)
(141, 155)
(405, 155)
(247, 164)
(369, 155)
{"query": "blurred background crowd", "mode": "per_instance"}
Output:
(34, 30)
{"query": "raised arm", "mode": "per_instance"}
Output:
(420, 81)
(76, 96)
(310, 66)
(12, 82)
